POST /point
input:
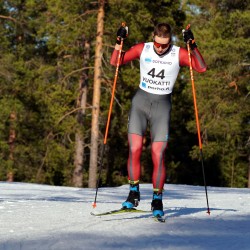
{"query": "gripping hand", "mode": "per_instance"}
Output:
(122, 33)
(188, 37)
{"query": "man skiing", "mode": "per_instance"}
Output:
(160, 62)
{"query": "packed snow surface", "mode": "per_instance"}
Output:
(34, 217)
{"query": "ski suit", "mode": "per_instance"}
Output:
(151, 104)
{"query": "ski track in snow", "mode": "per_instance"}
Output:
(45, 217)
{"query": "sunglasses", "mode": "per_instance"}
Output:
(158, 45)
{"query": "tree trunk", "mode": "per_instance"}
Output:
(78, 163)
(12, 138)
(79, 141)
(81, 102)
(96, 98)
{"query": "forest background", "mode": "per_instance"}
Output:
(56, 83)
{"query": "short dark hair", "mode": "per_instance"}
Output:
(162, 30)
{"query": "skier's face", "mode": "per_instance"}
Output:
(161, 44)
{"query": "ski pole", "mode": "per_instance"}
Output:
(197, 120)
(108, 121)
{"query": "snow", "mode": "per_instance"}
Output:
(46, 217)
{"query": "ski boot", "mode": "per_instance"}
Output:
(157, 205)
(133, 197)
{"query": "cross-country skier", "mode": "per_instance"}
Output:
(160, 62)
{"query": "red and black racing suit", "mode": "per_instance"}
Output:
(153, 109)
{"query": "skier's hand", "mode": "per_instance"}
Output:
(188, 37)
(122, 33)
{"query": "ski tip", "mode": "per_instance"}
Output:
(94, 205)
(159, 219)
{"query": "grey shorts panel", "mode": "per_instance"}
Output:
(153, 110)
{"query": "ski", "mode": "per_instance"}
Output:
(119, 211)
(159, 219)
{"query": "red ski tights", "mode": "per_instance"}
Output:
(134, 165)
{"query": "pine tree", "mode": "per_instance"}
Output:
(96, 97)
(221, 30)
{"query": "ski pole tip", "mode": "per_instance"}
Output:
(94, 205)
(208, 212)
